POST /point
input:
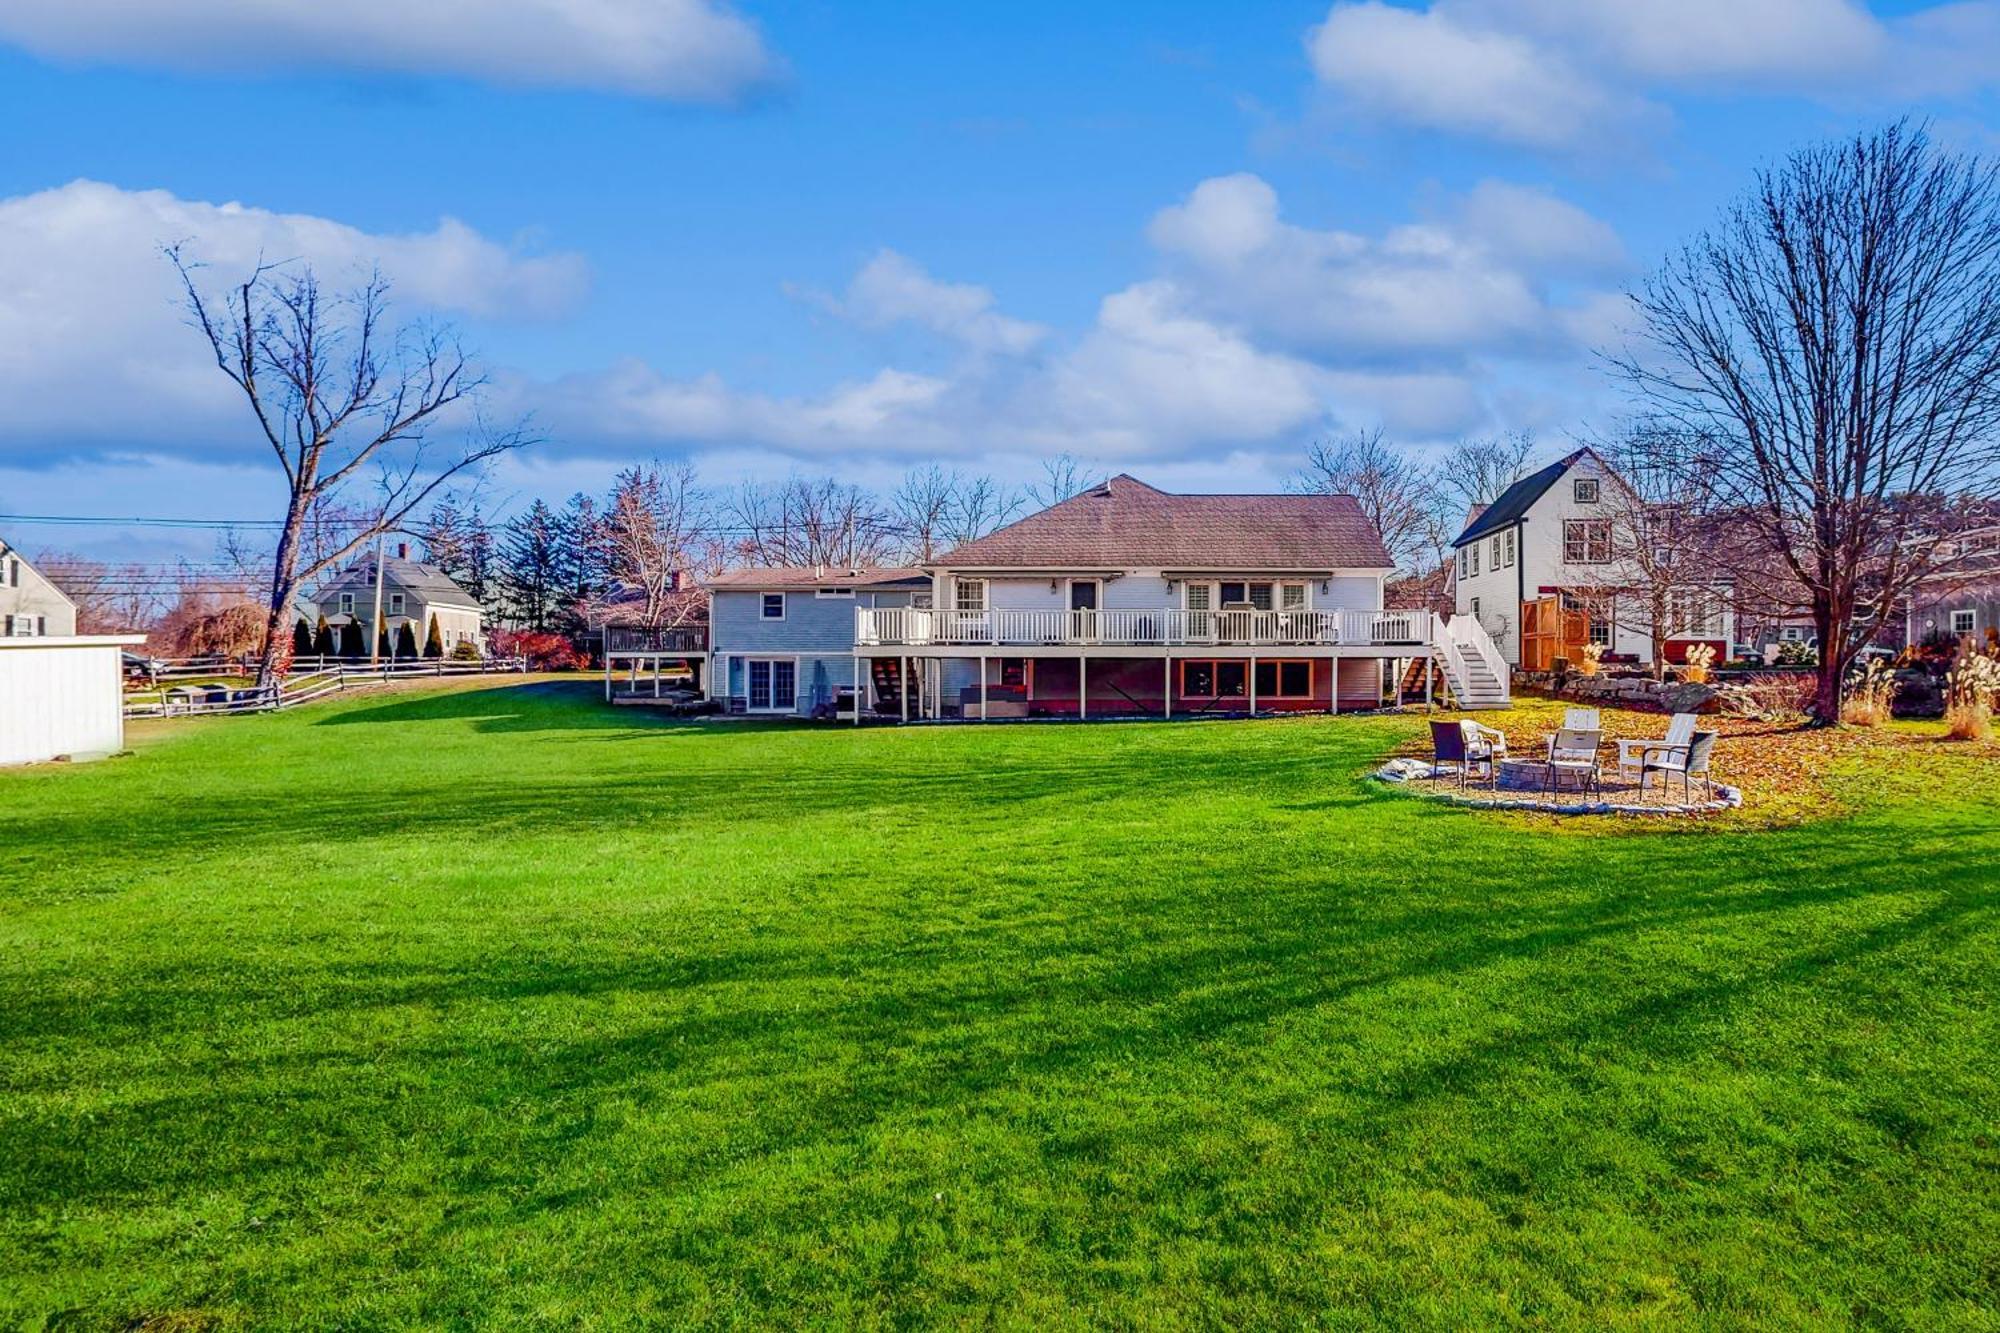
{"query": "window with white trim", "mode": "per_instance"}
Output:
(1475, 608)
(1965, 622)
(968, 595)
(771, 606)
(1585, 490)
(1260, 596)
(347, 604)
(13, 573)
(1471, 554)
(846, 594)
(1494, 558)
(395, 604)
(1461, 563)
(1587, 541)
(1512, 535)
(1292, 597)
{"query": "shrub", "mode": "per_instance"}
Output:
(1971, 692)
(544, 651)
(465, 650)
(1593, 660)
(1772, 696)
(1794, 654)
(1870, 692)
(302, 638)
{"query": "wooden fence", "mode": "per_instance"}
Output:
(213, 696)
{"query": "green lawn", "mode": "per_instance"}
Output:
(488, 1005)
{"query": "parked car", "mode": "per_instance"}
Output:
(140, 667)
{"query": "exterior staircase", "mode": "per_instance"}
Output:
(1471, 663)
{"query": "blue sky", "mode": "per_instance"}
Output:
(1183, 241)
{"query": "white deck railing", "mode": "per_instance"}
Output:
(876, 627)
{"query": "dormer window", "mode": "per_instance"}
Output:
(1586, 490)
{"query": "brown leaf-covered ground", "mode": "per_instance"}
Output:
(1787, 773)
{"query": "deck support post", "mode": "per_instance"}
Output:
(607, 678)
(1429, 669)
(1082, 687)
(1333, 685)
(982, 690)
(1252, 683)
(857, 689)
(903, 685)
(656, 677)
(1167, 687)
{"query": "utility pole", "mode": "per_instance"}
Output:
(375, 629)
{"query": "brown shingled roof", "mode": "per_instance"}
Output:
(1126, 524)
(775, 577)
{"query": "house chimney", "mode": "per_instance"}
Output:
(402, 550)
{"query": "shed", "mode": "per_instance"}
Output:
(62, 695)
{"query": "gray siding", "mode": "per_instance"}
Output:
(811, 624)
(818, 631)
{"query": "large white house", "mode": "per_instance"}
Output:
(1539, 569)
(1127, 599)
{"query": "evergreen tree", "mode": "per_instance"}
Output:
(302, 639)
(529, 568)
(322, 645)
(382, 648)
(350, 640)
(406, 640)
(461, 544)
(579, 563)
(433, 641)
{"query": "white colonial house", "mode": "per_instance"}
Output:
(1539, 569)
(413, 594)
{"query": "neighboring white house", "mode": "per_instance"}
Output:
(29, 603)
(62, 695)
(1550, 539)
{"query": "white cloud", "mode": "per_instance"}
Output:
(1571, 74)
(1692, 40)
(694, 50)
(892, 289)
(94, 347)
(1427, 69)
(1446, 288)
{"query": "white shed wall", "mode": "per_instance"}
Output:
(60, 697)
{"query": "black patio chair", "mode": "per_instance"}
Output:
(1688, 762)
(1449, 746)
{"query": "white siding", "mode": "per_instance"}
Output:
(60, 698)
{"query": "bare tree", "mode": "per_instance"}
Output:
(654, 534)
(1395, 489)
(335, 390)
(1836, 336)
(1062, 477)
(979, 506)
(1475, 472)
(922, 507)
(810, 522)
(935, 510)
(109, 599)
